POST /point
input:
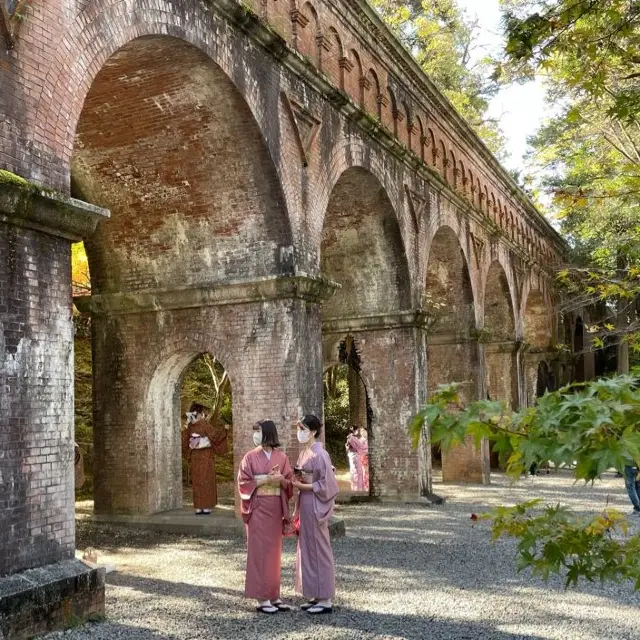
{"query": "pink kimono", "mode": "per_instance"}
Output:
(357, 449)
(264, 517)
(315, 573)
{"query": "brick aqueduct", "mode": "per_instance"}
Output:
(253, 157)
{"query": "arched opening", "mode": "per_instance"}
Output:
(362, 250)
(182, 379)
(180, 161)
(578, 350)
(451, 354)
(544, 379)
(206, 382)
(538, 338)
(167, 142)
(346, 407)
(498, 336)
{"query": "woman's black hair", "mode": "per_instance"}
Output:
(198, 408)
(312, 423)
(269, 433)
(354, 429)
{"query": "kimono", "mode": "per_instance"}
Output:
(265, 511)
(315, 572)
(203, 471)
(357, 450)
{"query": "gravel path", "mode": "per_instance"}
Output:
(403, 572)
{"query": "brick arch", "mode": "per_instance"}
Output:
(355, 88)
(422, 140)
(449, 285)
(359, 201)
(464, 178)
(499, 303)
(81, 54)
(347, 154)
(390, 116)
(431, 141)
(161, 404)
(372, 94)
(535, 312)
(332, 64)
(175, 191)
(453, 170)
(444, 160)
(307, 34)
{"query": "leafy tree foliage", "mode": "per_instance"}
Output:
(589, 427)
(587, 155)
(441, 39)
(336, 413)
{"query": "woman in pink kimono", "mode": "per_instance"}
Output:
(316, 481)
(264, 483)
(357, 449)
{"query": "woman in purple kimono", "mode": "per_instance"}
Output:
(318, 488)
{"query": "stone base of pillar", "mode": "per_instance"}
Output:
(50, 598)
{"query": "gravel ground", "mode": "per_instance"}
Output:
(402, 572)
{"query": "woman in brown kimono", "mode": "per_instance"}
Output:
(200, 441)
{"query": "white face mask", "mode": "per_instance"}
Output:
(191, 417)
(257, 438)
(303, 436)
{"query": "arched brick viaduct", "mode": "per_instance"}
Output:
(252, 156)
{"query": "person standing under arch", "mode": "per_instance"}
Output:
(316, 481)
(200, 441)
(264, 484)
(357, 449)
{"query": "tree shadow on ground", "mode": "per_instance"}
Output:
(227, 616)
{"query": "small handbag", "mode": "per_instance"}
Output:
(291, 528)
(197, 441)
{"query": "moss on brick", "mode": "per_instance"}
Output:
(6, 178)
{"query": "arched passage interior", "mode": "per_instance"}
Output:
(452, 354)
(362, 250)
(169, 145)
(499, 339)
(538, 339)
(346, 405)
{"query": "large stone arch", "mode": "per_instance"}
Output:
(363, 250)
(181, 164)
(499, 337)
(452, 351)
(86, 46)
(537, 332)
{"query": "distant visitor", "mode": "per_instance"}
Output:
(357, 452)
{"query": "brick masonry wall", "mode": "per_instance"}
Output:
(199, 151)
(36, 400)
(269, 352)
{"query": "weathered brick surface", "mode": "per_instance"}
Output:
(50, 598)
(36, 399)
(275, 373)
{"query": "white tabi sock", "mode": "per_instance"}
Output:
(324, 603)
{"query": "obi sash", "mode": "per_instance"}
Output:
(267, 489)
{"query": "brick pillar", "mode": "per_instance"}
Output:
(271, 349)
(450, 359)
(37, 510)
(388, 365)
